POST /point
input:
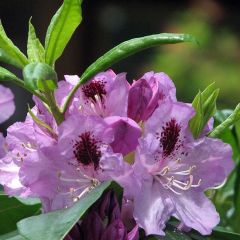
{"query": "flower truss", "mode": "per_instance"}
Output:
(137, 135)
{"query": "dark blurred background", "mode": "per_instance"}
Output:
(216, 24)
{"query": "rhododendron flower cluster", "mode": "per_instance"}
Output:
(137, 135)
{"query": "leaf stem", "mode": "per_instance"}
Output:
(21, 84)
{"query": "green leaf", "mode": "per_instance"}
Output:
(41, 123)
(29, 201)
(205, 106)
(131, 47)
(231, 120)
(61, 28)
(55, 225)
(12, 236)
(221, 233)
(6, 75)
(172, 236)
(195, 123)
(35, 50)
(12, 211)
(9, 53)
(37, 76)
(125, 50)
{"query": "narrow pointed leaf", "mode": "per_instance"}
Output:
(12, 211)
(231, 120)
(221, 233)
(12, 236)
(9, 53)
(125, 50)
(61, 28)
(40, 123)
(6, 75)
(195, 123)
(55, 225)
(131, 47)
(35, 50)
(205, 107)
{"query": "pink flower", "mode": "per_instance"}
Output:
(174, 171)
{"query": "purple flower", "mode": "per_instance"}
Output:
(105, 95)
(81, 160)
(7, 106)
(126, 134)
(174, 170)
(103, 222)
(147, 93)
(23, 138)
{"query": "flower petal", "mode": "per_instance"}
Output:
(126, 134)
(7, 106)
(153, 208)
(213, 161)
(196, 211)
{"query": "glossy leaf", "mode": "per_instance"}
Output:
(131, 47)
(224, 198)
(205, 107)
(35, 50)
(9, 53)
(55, 225)
(172, 235)
(6, 75)
(12, 236)
(231, 120)
(29, 201)
(12, 211)
(41, 123)
(37, 76)
(125, 50)
(61, 28)
(221, 233)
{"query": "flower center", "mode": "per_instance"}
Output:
(169, 137)
(95, 90)
(86, 150)
(177, 180)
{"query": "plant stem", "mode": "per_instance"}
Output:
(51, 102)
(70, 97)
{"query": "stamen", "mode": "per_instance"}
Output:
(165, 171)
(172, 182)
(186, 172)
(170, 188)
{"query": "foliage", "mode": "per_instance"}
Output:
(40, 79)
